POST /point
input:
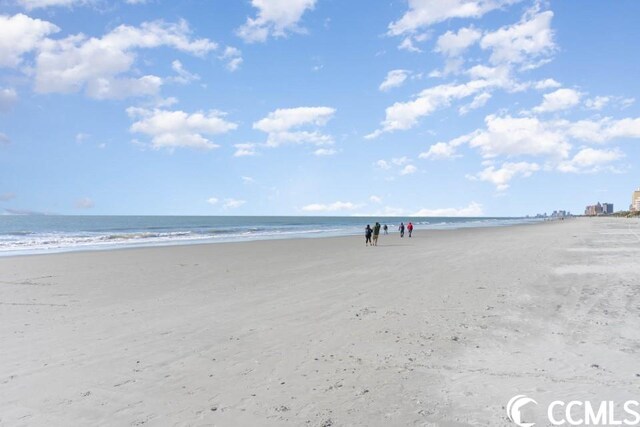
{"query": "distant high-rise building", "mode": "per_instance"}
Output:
(598, 209)
(635, 200)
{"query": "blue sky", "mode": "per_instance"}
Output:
(317, 107)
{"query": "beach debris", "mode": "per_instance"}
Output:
(327, 423)
(282, 408)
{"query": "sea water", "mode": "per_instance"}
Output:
(29, 234)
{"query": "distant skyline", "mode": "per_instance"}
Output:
(318, 107)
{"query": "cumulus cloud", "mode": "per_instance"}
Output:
(597, 103)
(478, 102)
(472, 210)
(405, 115)
(382, 164)
(509, 136)
(84, 203)
(183, 76)
(173, 129)
(39, 4)
(8, 98)
(102, 66)
(20, 34)
(246, 149)
(233, 203)
(283, 126)
(423, 13)
(561, 99)
(589, 160)
(408, 170)
(275, 18)
(331, 207)
(522, 43)
(324, 152)
(500, 177)
(212, 200)
(546, 84)
(454, 44)
(233, 57)
(395, 78)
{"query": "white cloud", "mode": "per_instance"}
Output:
(382, 164)
(453, 44)
(375, 199)
(183, 76)
(423, 13)
(395, 78)
(511, 136)
(561, 99)
(405, 115)
(172, 129)
(233, 57)
(275, 18)
(84, 203)
(399, 161)
(590, 160)
(501, 177)
(212, 200)
(407, 44)
(233, 203)
(439, 150)
(332, 207)
(281, 125)
(597, 103)
(444, 150)
(324, 152)
(81, 137)
(8, 98)
(247, 179)
(247, 149)
(408, 170)
(102, 66)
(478, 102)
(38, 4)
(20, 34)
(546, 84)
(522, 43)
(472, 210)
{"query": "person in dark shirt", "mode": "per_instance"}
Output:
(386, 229)
(376, 233)
(401, 228)
(367, 235)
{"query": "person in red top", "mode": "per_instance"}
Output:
(410, 228)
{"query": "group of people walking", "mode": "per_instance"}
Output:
(371, 234)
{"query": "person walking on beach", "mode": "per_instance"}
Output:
(376, 233)
(386, 229)
(410, 228)
(367, 235)
(401, 228)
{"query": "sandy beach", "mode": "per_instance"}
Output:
(439, 330)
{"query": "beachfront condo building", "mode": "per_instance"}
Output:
(635, 201)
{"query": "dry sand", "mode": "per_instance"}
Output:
(441, 329)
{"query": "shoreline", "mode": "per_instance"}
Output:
(108, 247)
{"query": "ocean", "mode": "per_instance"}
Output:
(33, 234)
